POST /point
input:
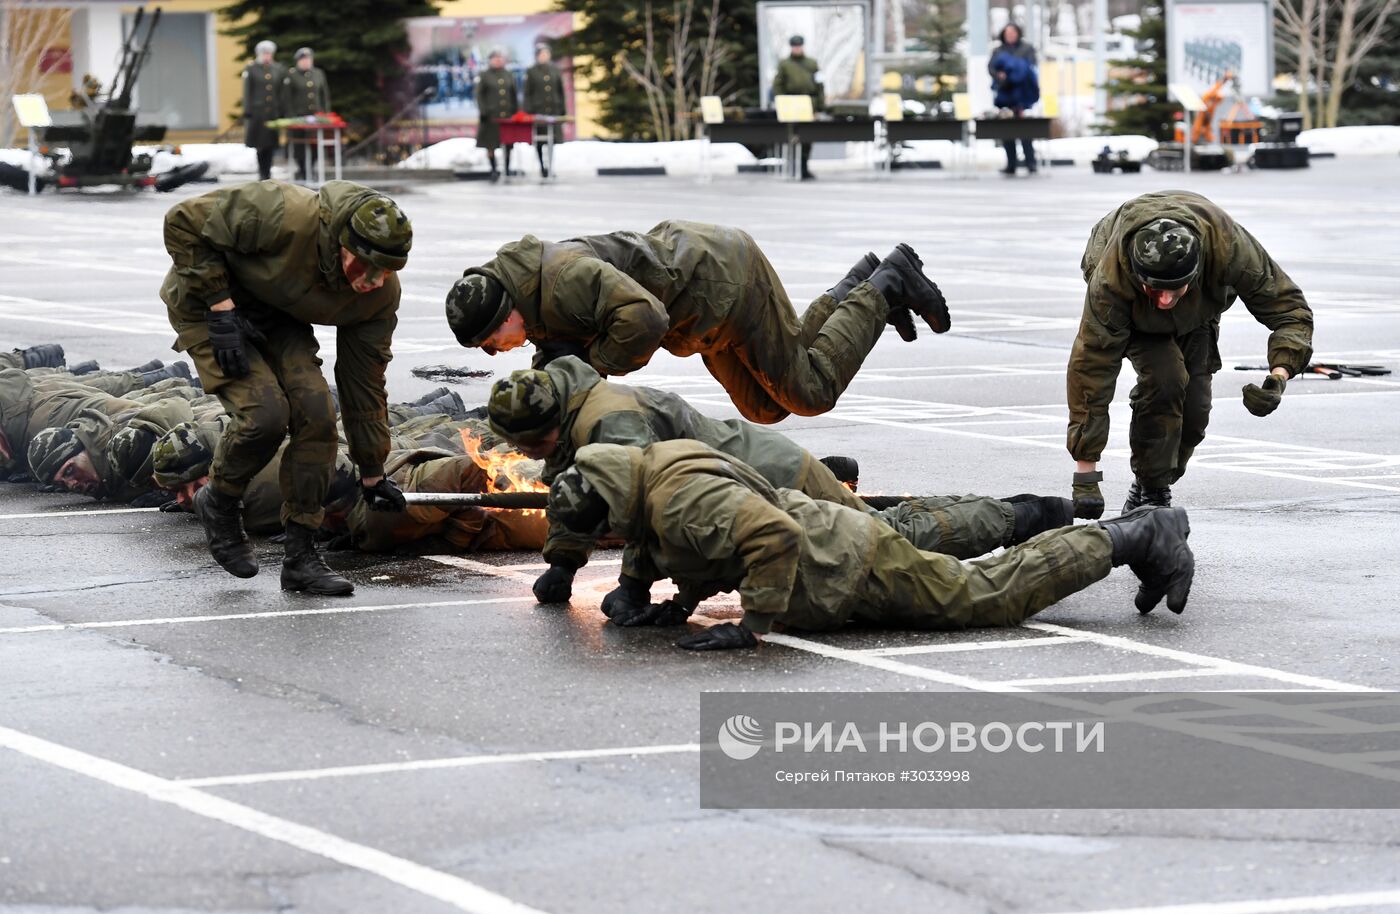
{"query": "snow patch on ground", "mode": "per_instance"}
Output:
(586, 156)
(1352, 140)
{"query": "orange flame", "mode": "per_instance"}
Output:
(506, 470)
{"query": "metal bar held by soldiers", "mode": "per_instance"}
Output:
(526, 501)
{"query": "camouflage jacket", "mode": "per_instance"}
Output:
(712, 525)
(798, 76)
(29, 404)
(95, 430)
(595, 411)
(273, 248)
(1233, 264)
(683, 286)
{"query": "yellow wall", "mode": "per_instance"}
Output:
(587, 102)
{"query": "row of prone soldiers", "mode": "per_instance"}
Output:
(713, 506)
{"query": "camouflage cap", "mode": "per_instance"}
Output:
(1165, 254)
(129, 453)
(50, 450)
(379, 233)
(574, 502)
(476, 306)
(183, 455)
(523, 407)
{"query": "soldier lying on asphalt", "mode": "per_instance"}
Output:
(688, 288)
(712, 524)
(550, 413)
(1161, 270)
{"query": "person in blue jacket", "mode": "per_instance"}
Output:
(1017, 87)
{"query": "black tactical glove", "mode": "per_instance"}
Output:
(1088, 499)
(726, 637)
(227, 331)
(667, 612)
(555, 585)
(630, 596)
(385, 495)
(1263, 400)
(172, 507)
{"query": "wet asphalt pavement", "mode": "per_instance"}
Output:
(174, 739)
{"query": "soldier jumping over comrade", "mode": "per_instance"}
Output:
(690, 288)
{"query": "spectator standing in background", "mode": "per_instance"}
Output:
(262, 90)
(544, 95)
(497, 100)
(1017, 87)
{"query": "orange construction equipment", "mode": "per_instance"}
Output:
(1234, 128)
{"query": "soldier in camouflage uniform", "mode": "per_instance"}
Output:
(1161, 270)
(496, 100)
(305, 91)
(544, 95)
(712, 524)
(553, 412)
(254, 267)
(799, 74)
(262, 91)
(689, 288)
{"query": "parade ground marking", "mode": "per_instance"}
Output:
(1362, 900)
(459, 893)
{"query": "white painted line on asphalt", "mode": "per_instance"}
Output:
(1364, 900)
(956, 647)
(96, 512)
(1217, 664)
(80, 258)
(499, 571)
(246, 617)
(437, 764)
(887, 665)
(1091, 678)
(540, 566)
(458, 892)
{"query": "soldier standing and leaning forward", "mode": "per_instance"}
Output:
(799, 74)
(544, 94)
(712, 525)
(1162, 269)
(262, 90)
(689, 287)
(496, 100)
(305, 92)
(254, 267)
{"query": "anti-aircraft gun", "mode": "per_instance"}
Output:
(100, 145)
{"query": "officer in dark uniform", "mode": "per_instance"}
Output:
(497, 100)
(262, 89)
(305, 91)
(799, 74)
(544, 94)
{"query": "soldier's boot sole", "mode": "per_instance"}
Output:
(230, 548)
(902, 281)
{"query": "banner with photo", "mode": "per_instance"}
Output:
(834, 35)
(1207, 41)
(447, 53)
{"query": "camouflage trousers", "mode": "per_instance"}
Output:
(1170, 402)
(963, 526)
(466, 529)
(284, 392)
(779, 364)
(116, 383)
(910, 588)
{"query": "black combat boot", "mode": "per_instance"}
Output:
(845, 469)
(152, 365)
(900, 279)
(303, 569)
(1037, 513)
(164, 374)
(1140, 495)
(858, 274)
(83, 368)
(449, 404)
(430, 396)
(222, 517)
(1152, 541)
(47, 355)
(179, 370)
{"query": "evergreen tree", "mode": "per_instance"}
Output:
(937, 28)
(1374, 96)
(1138, 102)
(618, 27)
(360, 44)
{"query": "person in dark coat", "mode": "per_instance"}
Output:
(1017, 87)
(544, 95)
(262, 90)
(497, 100)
